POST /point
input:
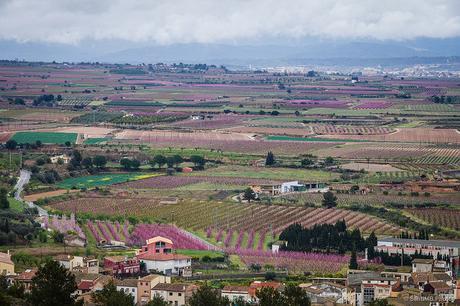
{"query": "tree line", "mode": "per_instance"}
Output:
(334, 238)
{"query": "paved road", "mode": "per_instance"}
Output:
(23, 180)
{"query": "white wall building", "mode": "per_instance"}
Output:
(129, 287)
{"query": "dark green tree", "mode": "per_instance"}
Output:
(4, 203)
(177, 160)
(53, 285)
(270, 159)
(100, 161)
(249, 194)
(135, 164)
(268, 297)
(87, 162)
(353, 260)
(11, 144)
(110, 296)
(295, 296)
(306, 162)
(159, 160)
(329, 161)
(157, 301)
(206, 296)
(329, 199)
(379, 303)
(198, 161)
(170, 161)
(125, 163)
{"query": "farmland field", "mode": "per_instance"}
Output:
(449, 218)
(198, 216)
(101, 180)
(45, 137)
(198, 153)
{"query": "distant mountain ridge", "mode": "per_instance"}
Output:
(266, 54)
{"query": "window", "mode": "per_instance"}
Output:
(179, 294)
(160, 244)
(170, 294)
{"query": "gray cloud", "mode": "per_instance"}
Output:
(217, 21)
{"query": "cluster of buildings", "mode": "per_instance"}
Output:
(288, 187)
(142, 276)
(148, 274)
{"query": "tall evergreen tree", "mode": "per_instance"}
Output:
(270, 159)
(53, 285)
(4, 203)
(353, 260)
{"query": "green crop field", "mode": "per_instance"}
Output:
(91, 141)
(101, 180)
(45, 137)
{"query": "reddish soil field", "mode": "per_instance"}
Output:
(422, 135)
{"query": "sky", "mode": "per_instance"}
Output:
(166, 22)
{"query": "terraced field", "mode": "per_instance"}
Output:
(198, 216)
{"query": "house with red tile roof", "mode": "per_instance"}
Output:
(236, 292)
(121, 265)
(158, 256)
(257, 285)
(25, 278)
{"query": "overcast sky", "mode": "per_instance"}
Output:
(225, 21)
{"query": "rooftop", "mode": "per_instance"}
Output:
(127, 282)
(426, 261)
(171, 287)
(27, 274)
(6, 258)
(244, 289)
(149, 277)
(163, 257)
(158, 238)
(440, 243)
(85, 285)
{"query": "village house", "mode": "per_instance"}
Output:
(145, 285)
(57, 158)
(367, 286)
(25, 278)
(422, 265)
(257, 285)
(328, 291)
(121, 265)
(419, 279)
(236, 292)
(89, 283)
(277, 245)
(69, 261)
(440, 290)
(79, 263)
(128, 286)
(157, 255)
(288, 187)
(6, 264)
(175, 294)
